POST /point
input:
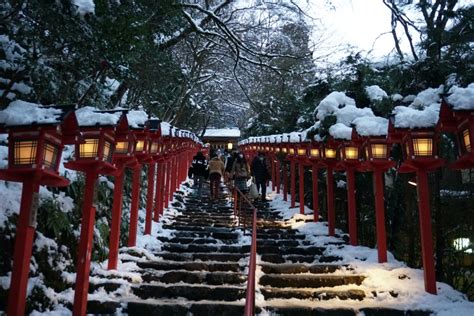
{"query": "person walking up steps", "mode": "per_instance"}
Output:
(216, 171)
(260, 173)
(241, 173)
(198, 171)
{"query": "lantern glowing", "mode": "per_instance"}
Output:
(329, 153)
(314, 153)
(230, 146)
(351, 152)
(301, 151)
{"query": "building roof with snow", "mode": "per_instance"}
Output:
(221, 133)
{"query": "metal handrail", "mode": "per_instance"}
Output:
(250, 296)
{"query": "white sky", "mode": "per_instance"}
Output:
(358, 23)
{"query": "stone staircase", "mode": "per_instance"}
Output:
(201, 269)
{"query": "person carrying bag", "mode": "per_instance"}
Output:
(240, 173)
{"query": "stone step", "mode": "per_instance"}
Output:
(192, 277)
(216, 235)
(309, 280)
(189, 240)
(178, 307)
(191, 266)
(279, 236)
(311, 294)
(278, 243)
(205, 216)
(220, 257)
(279, 258)
(198, 228)
(301, 268)
(203, 224)
(300, 250)
(308, 311)
(173, 247)
(194, 293)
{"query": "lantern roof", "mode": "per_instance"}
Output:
(91, 116)
(340, 131)
(371, 126)
(20, 113)
(137, 119)
(461, 98)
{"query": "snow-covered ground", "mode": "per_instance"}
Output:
(380, 278)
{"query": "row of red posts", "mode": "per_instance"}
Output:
(34, 156)
(370, 154)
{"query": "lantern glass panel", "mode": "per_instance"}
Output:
(121, 147)
(277, 149)
(329, 153)
(301, 152)
(50, 156)
(107, 151)
(314, 152)
(154, 148)
(379, 151)
(25, 152)
(366, 153)
(466, 140)
(292, 151)
(89, 148)
(284, 150)
(140, 145)
(230, 146)
(351, 152)
(423, 147)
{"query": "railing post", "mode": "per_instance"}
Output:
(380, 215)
(149, 198)
(314, 177)
(292, 183)
(330, 202)
(285, 182)
(132, 232)
(351, 206)
(301, 185)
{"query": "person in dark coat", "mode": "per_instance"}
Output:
(259, 171)
(198, 171)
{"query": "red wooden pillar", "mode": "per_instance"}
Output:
(161, 196)
(168, 182)
(293, 183)
(25, 232)
(425, 231)
(132, 232)
(380, 215)
(158, 192)
(273, 172)
(116, 219)
(85, 246)
(173, 176)
(315, 192)
(351, 206)
(277, 170)
(149, 198)
(330, 202)
(285, 182)
(301, 186)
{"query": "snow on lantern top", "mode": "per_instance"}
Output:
(90, 116)
(137, 118)
(422, 112)
(461, 98)
(371, 126)
(25, 113)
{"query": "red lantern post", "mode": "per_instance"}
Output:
(420, 153)
(141, 152)
(34, 154)
(301, 157)
(328, 153)
(349, 160)
(122, 157)
(93, 156)
(315, 159)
